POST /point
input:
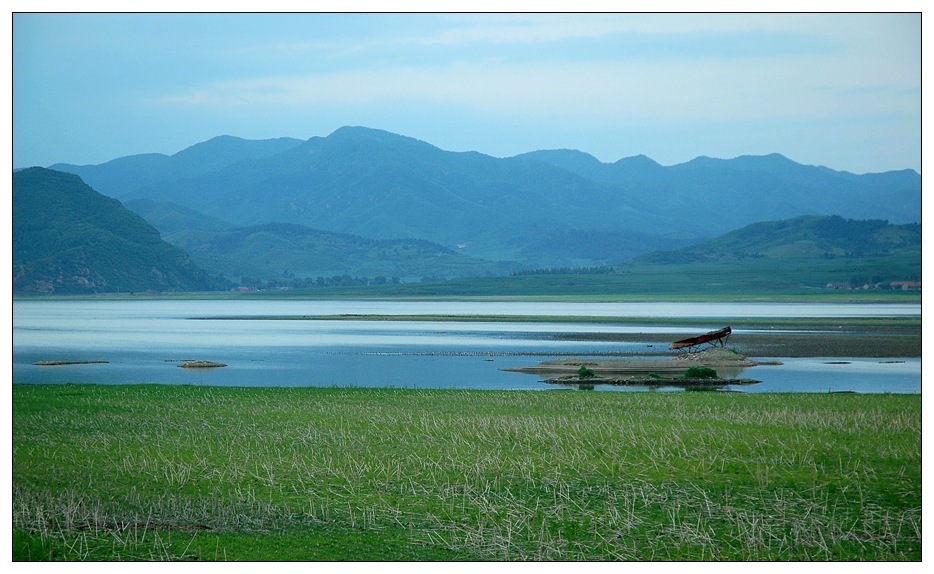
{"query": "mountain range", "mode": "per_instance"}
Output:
(69, 239)
(540, 209)
(372, 203)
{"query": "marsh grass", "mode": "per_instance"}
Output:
(206, 473)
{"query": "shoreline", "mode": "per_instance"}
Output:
(331, 294)
(868, 337)
(684, 383)
(803, 323)
(881, 344)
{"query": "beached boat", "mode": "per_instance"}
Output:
(717, 337)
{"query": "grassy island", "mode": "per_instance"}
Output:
(154, 472)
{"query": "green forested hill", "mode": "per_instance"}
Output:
(801, 237)
(171, 218)
(809, 252)
(67, 238)
(287, 251)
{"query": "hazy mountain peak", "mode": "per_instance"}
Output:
(640, 161)
(766, 162)
(226, 149)
(362, 135)
(561, 157)
(361, 131)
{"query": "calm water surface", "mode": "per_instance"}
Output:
(143, 342)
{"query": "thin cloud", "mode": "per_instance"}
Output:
(532, 80)
(680, 91)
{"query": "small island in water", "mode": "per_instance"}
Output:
(710, 368)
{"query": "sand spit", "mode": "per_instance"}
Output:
(201, 365)
(56, 363)
(715, 358)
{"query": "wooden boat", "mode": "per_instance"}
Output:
(714, 337)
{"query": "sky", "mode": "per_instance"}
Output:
(831, 89)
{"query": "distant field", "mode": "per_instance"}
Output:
(545, 288)
(157, 472)
(791, 279)
(750, 279)
(743, 280)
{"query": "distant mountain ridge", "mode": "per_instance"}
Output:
(545, 208)
(69, 239)
(748, 189)
(114, 177)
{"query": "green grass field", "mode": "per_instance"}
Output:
(206, 473)
(750, 279)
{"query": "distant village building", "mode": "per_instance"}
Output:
(894, 285)
(906, 285)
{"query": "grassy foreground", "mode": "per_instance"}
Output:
(205, 473)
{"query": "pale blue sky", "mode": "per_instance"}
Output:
(840, 90)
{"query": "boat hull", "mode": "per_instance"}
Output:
(718, 336)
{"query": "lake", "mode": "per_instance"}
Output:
(144, 341)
